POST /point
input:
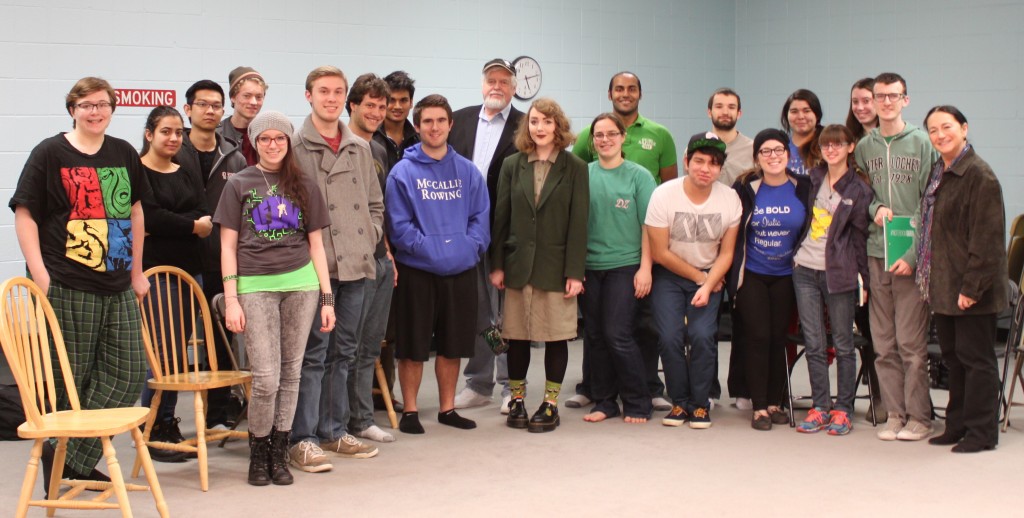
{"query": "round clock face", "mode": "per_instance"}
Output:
(528, 76)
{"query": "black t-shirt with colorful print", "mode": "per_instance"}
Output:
(82, 204)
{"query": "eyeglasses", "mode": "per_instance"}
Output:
(88, 107)
(609, 135)
(203, 105)
(833, 145)
(777, 151)
(279, 140)
(891, 97)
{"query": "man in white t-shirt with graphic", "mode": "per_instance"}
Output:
(692, 223)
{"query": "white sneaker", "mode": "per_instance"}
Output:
(469, 398)
(504, 404)
(661, 404)
(744, 403)
(374, 433)
(578, 401)
(914, 431)
(892, 428)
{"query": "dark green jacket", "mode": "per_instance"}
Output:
(541, 244)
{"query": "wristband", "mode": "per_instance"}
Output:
(327, 299)
(227, 278)
(701, 283)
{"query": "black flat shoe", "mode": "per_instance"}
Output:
(517, 417)
(761, 422)
(945, 439)
(545, 419)
(970, 447)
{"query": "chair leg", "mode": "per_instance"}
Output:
(204, 476)
(116, 478)
(57, 473)
(1013, 388)
(382, 381)
(147, 466)
(31, 472)
(789, 389)
(154, 406)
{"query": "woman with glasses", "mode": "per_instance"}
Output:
(537, 254)
(176, 219)
(862, 117)
(962, 273)
(801, 119)
(760, 282)
(275, 274)
(832, 253)
(78, 216)
(618, 275)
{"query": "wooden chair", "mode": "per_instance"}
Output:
(167, 341)
(385, 394)
(32, 341)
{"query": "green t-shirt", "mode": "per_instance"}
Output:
(618, 206)
(647, 143)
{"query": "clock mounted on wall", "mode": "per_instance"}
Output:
(528, 77)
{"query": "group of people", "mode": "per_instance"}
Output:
(326, 238)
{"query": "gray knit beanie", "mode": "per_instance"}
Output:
(269, 120)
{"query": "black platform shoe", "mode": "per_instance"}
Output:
(545, 419)
(517, 417)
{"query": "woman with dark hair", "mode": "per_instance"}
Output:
(862, 117)
(801, 119)
(176, 219)
(618, 275)
(832, 252)
(538, 253)
(961, 271)
(272, 257)
(760, 282)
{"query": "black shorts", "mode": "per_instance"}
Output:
(429, 305)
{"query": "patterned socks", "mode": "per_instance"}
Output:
(517, 388)
(551, 391)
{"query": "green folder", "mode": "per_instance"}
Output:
(899, 237)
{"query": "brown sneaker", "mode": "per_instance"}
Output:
(308, 457)
(349, 446)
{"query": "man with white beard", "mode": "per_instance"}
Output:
(484, 134)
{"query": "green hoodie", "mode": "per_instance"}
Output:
(899, 173)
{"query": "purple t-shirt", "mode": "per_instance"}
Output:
(774, 229)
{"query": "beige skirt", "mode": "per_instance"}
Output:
(538, 315)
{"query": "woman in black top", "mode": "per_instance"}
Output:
(176, 218)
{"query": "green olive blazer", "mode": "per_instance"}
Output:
(541, 244)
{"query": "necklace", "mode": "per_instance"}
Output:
(282, 209)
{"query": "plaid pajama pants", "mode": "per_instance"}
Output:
(103, 336)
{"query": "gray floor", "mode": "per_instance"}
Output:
(604, 469)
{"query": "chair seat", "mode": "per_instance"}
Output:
(85, 423)
(202, 380)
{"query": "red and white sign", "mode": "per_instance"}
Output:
(145, 98)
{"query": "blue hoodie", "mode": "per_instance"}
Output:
(437, 212)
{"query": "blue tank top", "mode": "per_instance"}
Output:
(774, 229)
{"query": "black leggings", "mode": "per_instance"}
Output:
(765, 304)
(556, 358)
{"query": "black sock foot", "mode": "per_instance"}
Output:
(410, 423)
(451, 418)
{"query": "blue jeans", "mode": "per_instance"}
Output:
(688, 380)
(322, 411)
(812, 296)
(376, 305)
(616, 362)
(483, 369)
(169, 399)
